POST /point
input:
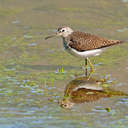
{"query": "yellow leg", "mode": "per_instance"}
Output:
(91, 66)
(86, 67)
(88, 63)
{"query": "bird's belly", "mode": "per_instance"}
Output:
(85, 54)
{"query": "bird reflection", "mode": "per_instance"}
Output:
(82, 90)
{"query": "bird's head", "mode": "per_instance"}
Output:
(62, 32)
(66, 103)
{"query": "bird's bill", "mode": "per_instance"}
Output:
(57, 34)
(49, 37)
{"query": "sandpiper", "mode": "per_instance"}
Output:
(82, 44)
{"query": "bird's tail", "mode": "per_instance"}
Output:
(117, 42)
(114, 42)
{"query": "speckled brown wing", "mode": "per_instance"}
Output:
(84, 41)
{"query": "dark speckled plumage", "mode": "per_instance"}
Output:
(84, 41)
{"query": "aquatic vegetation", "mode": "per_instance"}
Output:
(60, 70)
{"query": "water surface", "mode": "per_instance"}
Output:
(35, 72)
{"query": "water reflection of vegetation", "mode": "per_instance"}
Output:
(83, 90)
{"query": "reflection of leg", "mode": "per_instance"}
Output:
(86, 67)
(91, 66)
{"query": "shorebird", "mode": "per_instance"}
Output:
(83, 44)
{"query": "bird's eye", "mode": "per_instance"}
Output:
(64, 105)
(63, 30)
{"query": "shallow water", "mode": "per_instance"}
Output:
(35, 72)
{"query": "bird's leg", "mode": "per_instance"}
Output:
(91, 66)
(86, 67)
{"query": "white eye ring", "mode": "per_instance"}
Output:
(63, 30)
(64, 105)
